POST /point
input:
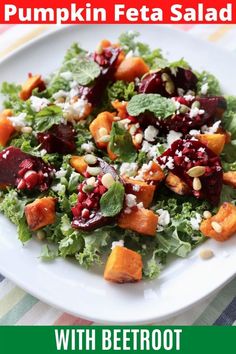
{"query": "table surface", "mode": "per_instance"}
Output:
(19, 308)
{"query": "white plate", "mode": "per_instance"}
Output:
(85, 293)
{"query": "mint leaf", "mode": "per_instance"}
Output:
(87, 72)
(24, 233)
(48, 254)
(111, 202)
(47, 117)
(160, 106)
(121, 143)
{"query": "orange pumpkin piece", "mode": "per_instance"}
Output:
(131, 68)
(32, 83)
(123, 266)
(100, 127)
(6, 127)
(111, 154)
(154, 173)
(143, 191)
(175, 184)
(41, 213)
(230, 178)
(222, 225)
(215, 142)
(121, 108)
(78, 163)
(140, 220)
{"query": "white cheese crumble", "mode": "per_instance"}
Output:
(170, 163)
(194, 132)
(172, 137)
(119, 243)
(130, 54)
(131, 200)
(4, 156)
(164, 217)
(195, 222)
(150, 133)
(129, 169)
(18, 121)
(61, 173)
(194, 112)
(75, 110)
(43, 152)
(37, 103)
(60, 188)
(67, 75)
(88, 147)
(189, 97)
(60, 94)
(204, 88)
(136, 188)
(211, 130)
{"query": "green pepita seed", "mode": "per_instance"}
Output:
(87, 188)
(196, 171)
(94, 171)
(90, 159)
(165, 77)
(183, 109)
(170, 87)
(104, 139)
(196, 104)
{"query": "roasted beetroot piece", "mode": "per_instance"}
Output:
(199, 112)
(168, 83)
(107, 60)
(86, 213)
(26, 172)
(59, 138)
(196, 165)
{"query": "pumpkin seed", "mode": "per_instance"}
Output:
(104, 139)
(183, 109)
(196, 104)
(165, 77)
(40, 235)
(107, 180)
(170, 87)
(87, 188)
(197, 186)
(138, 138)
(102, 131)
(207, 214)
(93, 171)
(196, 171)
(216, 226)
(90, 159)
(26, 130)
(206, 253)
(99, 49)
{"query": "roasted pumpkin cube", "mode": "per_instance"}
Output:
(143, 191)
(6, 127)
(222, 225)
(101, 127)
(41, 213)
(175, 184)
(230, 178)
(32, 83)
(121, 108)
(131, 68)
(154, 173)
(79, 164)
(215, 142)
(140, 220)
(123, 266)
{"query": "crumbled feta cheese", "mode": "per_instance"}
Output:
(60, 188)
(4, 156)
(186, 159)
(179, 153)
(170, 163)
(140, 205)
(130, 54)
(172, 136)
(37, 103)
(146, 146)
(18, 121)
(195, 221)
(129, 169)
(194, 132)
(61, 173)
(211, 130)
(194, 112)
(164, 217)
(189, 97)
(88, 147)
(74, 92)
(176, 103)
(201, 149)
(75, 110)
(204, 88)
(127, 211)
(67, 75)
(60, 94)
(119, 243)
(150, 133)
(131, 200)
(136, 188)
(43, 152)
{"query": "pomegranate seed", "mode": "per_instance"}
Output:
(27, 163)
(85, 213)
(21, 184)
(31, 179)
(89, 203)
(96, 190)
(81, 196)
(86, 174)
(76, 211)
(102, 190)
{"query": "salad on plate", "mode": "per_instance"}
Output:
(119, 158)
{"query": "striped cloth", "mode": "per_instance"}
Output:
(20, 308)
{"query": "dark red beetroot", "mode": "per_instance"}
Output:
(157, 82)
(185, 154)
(214, 108)
(21, 170)
(107, 61)
(60, 138)
(86, 213)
